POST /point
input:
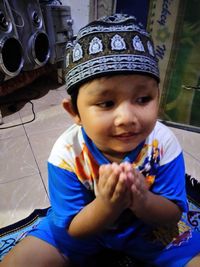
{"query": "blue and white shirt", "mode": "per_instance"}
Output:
(75, 160)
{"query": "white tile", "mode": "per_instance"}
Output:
(190, 142)
(16, 159)
(192, 166)
(52, 118)
(44, 175)
(42, 144)
(20, 198)
(9, 122)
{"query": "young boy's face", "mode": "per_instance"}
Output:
(118, 112)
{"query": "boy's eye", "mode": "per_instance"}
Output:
(143, 99)
(105, 104)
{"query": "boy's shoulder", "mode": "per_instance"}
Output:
(72, 136)
(163, 133)
(67, 146)
(162, 128)
(166, 141)
(71, 153)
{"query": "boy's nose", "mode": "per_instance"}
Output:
(125, 115)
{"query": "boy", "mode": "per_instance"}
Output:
(116, 177)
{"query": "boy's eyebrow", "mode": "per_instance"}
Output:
(100, 91)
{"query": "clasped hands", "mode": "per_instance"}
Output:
(121, 186)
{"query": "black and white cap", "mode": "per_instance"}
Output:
(110, 45)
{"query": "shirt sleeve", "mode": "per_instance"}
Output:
(67, 195)
(170, 182)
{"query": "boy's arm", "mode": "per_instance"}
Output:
(148, 206)
(155, 209)
(113, 197)
(93, 219)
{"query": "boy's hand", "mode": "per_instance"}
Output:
(112, 187)
(138, 188)
(147, 206)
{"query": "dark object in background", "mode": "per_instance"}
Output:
(111, 258)
(24, 78)
(50, 2)
(193, 189)
(11, 54)
(31, 30)
(33, 35)
(139, 9)
(59, 29)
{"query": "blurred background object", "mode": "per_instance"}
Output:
(33, 35)
(11, 54)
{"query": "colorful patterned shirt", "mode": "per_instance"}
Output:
(73, 169)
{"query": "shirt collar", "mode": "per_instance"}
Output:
(101, 159)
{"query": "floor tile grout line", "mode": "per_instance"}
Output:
(17, 179)
(35, 158)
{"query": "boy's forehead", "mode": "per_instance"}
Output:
(109, 84)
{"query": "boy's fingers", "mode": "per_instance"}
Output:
(113, 181)
(108, 178)
(128, 167)
(104, 172)
(121, 186)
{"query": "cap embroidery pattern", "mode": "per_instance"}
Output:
(113, 44)
(150, 48)
(95, 46)
(117, 43)
(67, 60)
(77, 52)
(137, 44)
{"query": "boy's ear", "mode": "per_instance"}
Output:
(67, 105)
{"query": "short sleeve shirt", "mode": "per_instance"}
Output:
(75, 160)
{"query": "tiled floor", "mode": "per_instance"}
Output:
(25, 148)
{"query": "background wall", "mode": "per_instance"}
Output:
(175, 27)
(79, 13)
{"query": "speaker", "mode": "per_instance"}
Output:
(58, 23)
(31, 31)
(11, 54)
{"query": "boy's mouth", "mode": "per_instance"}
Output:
(127, 135)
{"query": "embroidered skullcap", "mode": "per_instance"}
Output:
(110, 45)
